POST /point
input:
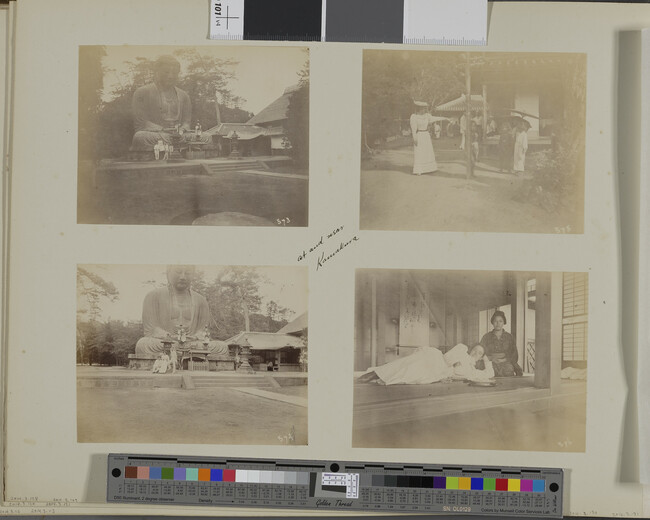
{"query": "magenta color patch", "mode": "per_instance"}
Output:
(526, 485)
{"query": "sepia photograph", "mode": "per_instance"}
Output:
(489, 360)
(473, 141)
(186, 354)
(204, 135)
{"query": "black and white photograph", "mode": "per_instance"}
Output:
(473, 141)
(490, 360)
(186, 354)
(204, 135)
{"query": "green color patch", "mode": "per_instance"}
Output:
(452, 482)
(489, 484)
(168, 473)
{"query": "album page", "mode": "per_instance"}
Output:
(644, 265)
(307, 250)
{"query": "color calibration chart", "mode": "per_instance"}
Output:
(414, 22)
(328, 485)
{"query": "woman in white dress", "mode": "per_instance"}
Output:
(521, 146)
(429, 365)
(424, 160)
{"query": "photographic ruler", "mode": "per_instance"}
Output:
(335, 485)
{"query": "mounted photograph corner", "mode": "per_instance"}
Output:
(192, 354)
(488, 360)
(473, 141)
(212, 135)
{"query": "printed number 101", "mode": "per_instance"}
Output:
(217, 12)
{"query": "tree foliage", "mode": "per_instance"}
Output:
(92, 288)
(233, 291)
(107, 343)
(90, 92)
(392, 80)
(109, 122)
(559, 171)
(297, 125)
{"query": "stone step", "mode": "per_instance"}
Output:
(231, 381)
(221, 384)
(162, 381)
(213, 168)
(231, 385)
(227, 380)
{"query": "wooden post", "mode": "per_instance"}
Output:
(382, 320)
(548, 330)
(373, 322)
(518, 314)
(468, 115)
(484, 93)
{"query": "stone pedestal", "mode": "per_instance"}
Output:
(142, 361)
(214, 363)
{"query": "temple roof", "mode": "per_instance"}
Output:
(460, 104)
(245, 131)
(276, 111)
(296, 326)
(266, 340)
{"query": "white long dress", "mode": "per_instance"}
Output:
(521, 146)
(424, 160)
(429, 365)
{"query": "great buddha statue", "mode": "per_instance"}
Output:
(162, 111)
(176, 307)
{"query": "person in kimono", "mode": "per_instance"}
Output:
(506, 147)
(500, 348)
(521, 146)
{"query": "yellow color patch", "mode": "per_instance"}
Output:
(514, 484)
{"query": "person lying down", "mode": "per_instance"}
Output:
(429, 365)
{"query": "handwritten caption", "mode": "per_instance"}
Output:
(322, 249)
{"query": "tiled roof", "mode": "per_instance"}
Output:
(297, 325)
(245, 131)
(460, 104)
(276, 111)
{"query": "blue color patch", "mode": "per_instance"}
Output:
(155, 473)
(216, 475)
(477, 484)
(539, 486)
